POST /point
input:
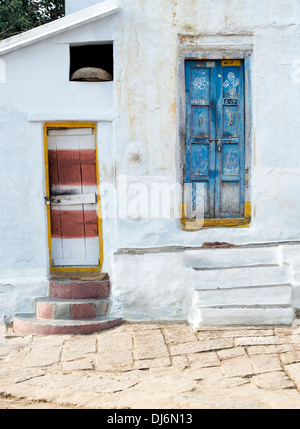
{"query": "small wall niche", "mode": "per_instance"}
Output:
(91, 63)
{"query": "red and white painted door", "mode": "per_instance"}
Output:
(73, 197)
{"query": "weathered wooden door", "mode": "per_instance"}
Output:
(215, 136)
(73, 197)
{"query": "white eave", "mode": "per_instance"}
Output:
(68, 22)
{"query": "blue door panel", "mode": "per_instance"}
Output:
(200, 154)
(230, 197)
(200, 160)
(231, 82)
(231, 121)
(230, 159)
(200, 121)
(200, 195)
(200, 83)
(215, 137)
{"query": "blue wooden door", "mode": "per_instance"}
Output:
(215, 145)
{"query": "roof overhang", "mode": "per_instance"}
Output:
(68, 22)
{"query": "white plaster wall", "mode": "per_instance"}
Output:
(75, 5)
(158, 286)
(17, 295)
(138, 128)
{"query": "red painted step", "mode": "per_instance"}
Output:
(52, 308)
(70, 289)
(73, 307)
(29, 324)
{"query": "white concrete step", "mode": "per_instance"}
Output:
(239, 286)
(231, 257)
(256, 295)
(214, 278)
(246, 315)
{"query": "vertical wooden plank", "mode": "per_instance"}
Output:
(188, 126)
(219, 135)
(78, 249)
(212, 145)
(92, 250)
(57, 250)
(53, 170)
(88, 167)
(230, 128)
(200, 128)
(242, 140)
(89, 178)
(56, 233)
(90, 223)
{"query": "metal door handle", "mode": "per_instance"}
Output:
(54, 200)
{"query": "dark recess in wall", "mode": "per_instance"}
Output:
(100, 56)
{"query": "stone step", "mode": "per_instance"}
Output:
(242, 315)
(70, 289)
(74, 306)
(220, 278)
(231, 257)
(255, 295)
(53, 308)
(29, 324)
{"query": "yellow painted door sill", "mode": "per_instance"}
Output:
(197, 224)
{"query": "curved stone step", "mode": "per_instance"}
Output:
(61, 309)
(69, 289)
(30, 324)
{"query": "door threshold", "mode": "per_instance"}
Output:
(197, 224)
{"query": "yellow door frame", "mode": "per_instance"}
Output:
(73, 124)
(197, 224)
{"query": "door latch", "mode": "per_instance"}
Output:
(219, 143)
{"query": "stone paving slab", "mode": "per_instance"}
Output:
(239, 366)
(265, 363)
(149, 344)
(273, 381)
(155, 365)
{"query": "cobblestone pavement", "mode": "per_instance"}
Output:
(153, 366)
